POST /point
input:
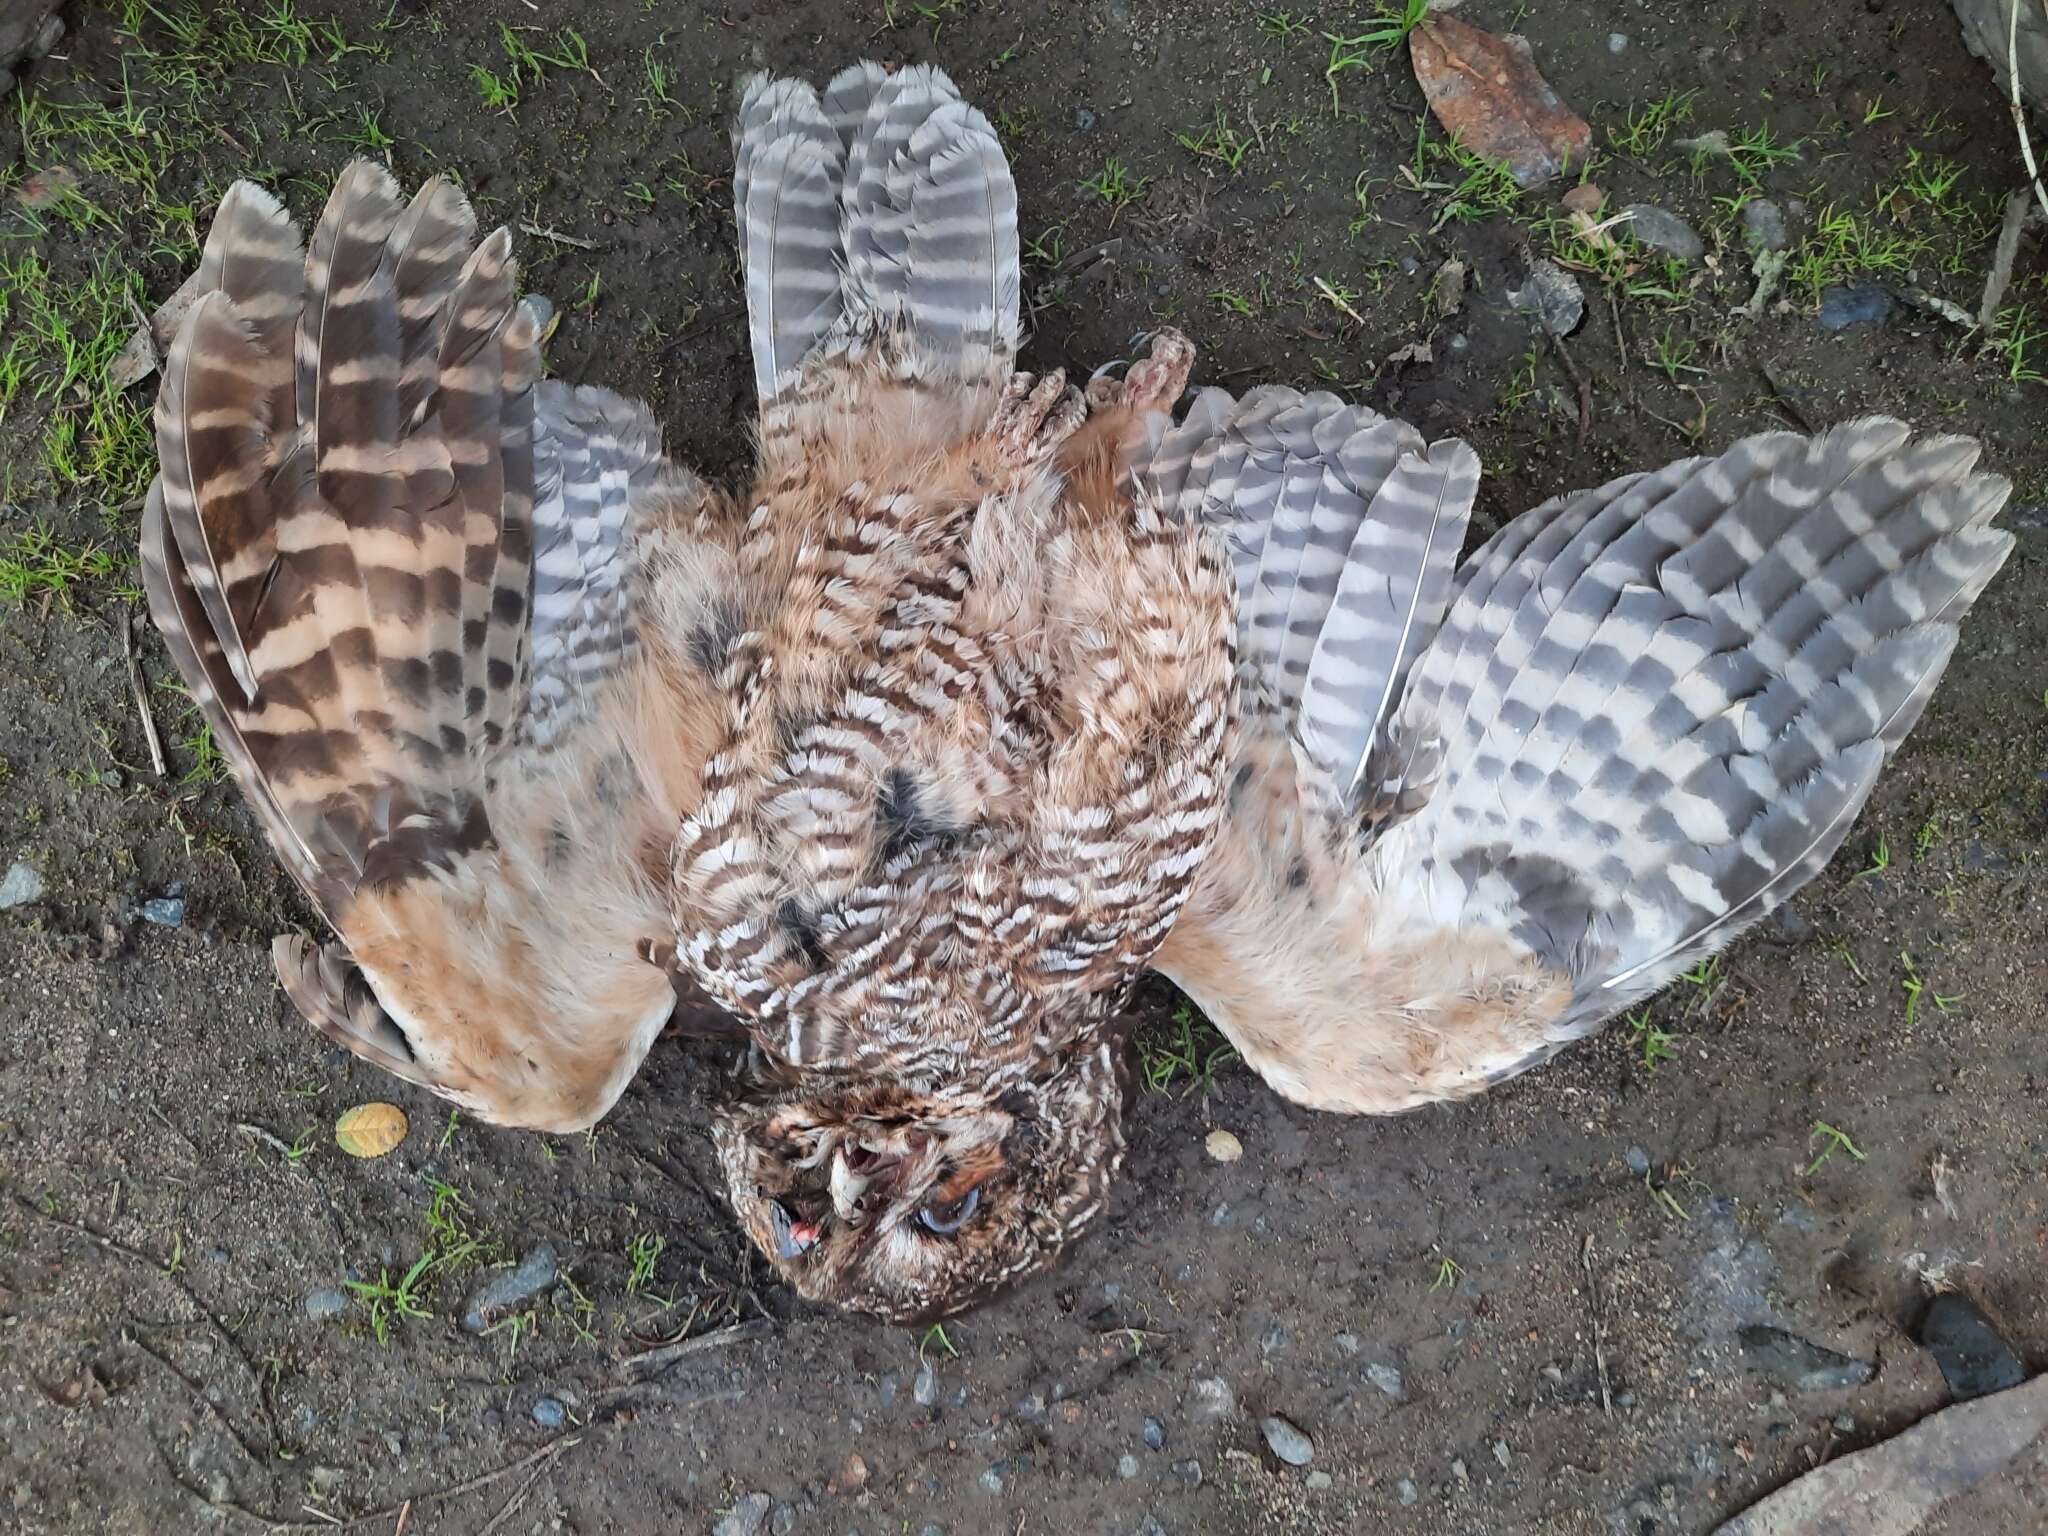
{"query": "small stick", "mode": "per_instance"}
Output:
(1599, 1337)
(512, 1504)
(1578, 379)
(542, 232)
(1620, 336)
(194, 1388)
(135, 686)
(2019, 112)
(654, 1361)
(404, 1512)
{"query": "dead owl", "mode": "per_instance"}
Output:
(985, 695)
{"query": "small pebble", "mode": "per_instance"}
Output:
(1973, 1358)
(1662, 230)
(1189, 1472)
(1127, 1466)
(1843, 307)
(1385, 1377)
(1763, 225)
(506, 1289)
(931, 1530)
(1155, 1435)
(1209, 1400)
(1406, 1491)
(21, 886)
(549, 1413)
(1319, 1480)
(783, 1521)
(993, 1479)
(926, 1387)
(1350, 1343)
(1617, 42)
(1638, 1161)
(1460, 1471)
(164, 911)
(1845, 1423)
(744, 1518)
(1223, 1147)
(1084, 120)
(1552, 296)
(1501, 1453)
(326, 1301)
(1287, 1442)
(1277, 1340)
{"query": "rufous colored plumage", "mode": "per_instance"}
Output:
(985, 695)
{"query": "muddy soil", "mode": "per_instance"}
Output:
(1518, 1314)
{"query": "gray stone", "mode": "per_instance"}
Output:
(931, 1530)
(1895, 1485)
(889, 1384)
(164, 911)
(1189, 1472)
(994, 1479)
(1127, 1466)
(1287, 1442)
(1844, 307)
(926, 1387)
(1209, 1400)
(326, 1301)
(1638, 1161)
(1617, 42)
(1350, 1343)
(21, 886)
(1552, 297)
(1406, 1491)
(1084, 120)
(1155, 1435)
(783, 1521)
(1763, 225)
(745, 1518)
(508, 1289)
(1277, 1340)
(1662, 230)
(1973, 1358)
(549, 1413)
(1386, 1378)
(1798, 1363)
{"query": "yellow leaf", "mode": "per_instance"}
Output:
(370, 1130)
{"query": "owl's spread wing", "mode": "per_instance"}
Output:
(1658, 707)
(392, 568)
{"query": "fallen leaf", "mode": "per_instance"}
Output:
(1223, 1147)
(851, 1477)
(136, 362)
(370, 1130)
(47, 187)
(1448, 287)
(170, 315)
(1414, 352)
(1492, 102)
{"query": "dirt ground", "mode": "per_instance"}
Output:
(1515, 1315)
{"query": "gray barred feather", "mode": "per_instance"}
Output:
(1343, 530)
(1663, 703)
(886, 205)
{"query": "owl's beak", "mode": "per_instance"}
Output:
(847, 1186)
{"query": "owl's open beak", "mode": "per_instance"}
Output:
(853, 1170)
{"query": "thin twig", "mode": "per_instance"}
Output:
(1578, 379)
(135, 686)
(157, 1267)
(194, 1388)
(542, 232)
(512, 1504)
(2019, 112)
(1599, 1333)
(1620, 336)
(653, 1362)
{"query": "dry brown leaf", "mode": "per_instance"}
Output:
(1490, 99)
(171, 313)
(136, 362)
(1223, 1147)
(47, 187)
(370, 1130)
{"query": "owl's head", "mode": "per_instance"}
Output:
(916, 1202)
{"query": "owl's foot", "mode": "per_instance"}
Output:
(1152, 383)
(1036, 415)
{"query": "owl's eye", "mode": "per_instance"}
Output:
(946, 1217)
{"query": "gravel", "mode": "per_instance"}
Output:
(549, 1413)
(326, 1301)
(746, 1517)
(21, 886)
(1663, 230)
(1386, 1378)
(1209, 1400)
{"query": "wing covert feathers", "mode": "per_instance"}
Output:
(884, 206)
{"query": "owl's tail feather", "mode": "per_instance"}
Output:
(885, 205)
(1343, 528)
(1655, 710)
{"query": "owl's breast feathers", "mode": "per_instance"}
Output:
(974, 704)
